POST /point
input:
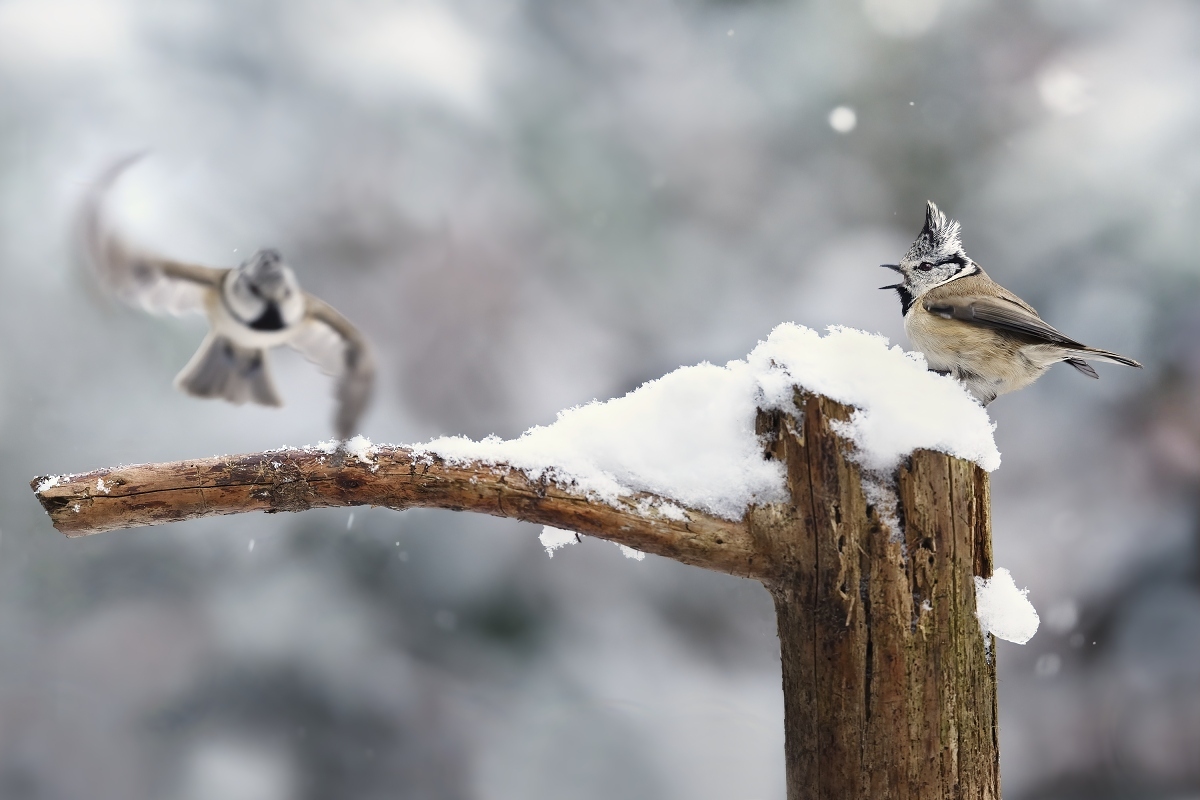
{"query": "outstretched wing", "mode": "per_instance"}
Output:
(1002, 315)
(157, 285)
(329, 340)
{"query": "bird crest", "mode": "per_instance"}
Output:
(939, 237)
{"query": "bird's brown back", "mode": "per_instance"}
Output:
(977, 284)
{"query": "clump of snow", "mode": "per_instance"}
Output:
(629, 552)
(100, 487)
(360, 447)
(1003, 609)
(554, 538)
(672, 512)
(648, 507)
(49, 482)
(689, 436)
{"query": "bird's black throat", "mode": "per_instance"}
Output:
(906, 299)
(270, 319)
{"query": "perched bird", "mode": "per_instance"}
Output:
(971, 327)
(250, 308)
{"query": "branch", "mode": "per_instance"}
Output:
(396, 478)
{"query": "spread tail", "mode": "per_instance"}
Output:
(221, 368)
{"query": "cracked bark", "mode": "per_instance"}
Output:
(888, 691)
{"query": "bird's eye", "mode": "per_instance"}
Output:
(925, 267)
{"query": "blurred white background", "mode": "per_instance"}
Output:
(526, 205)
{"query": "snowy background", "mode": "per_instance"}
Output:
(528, 204)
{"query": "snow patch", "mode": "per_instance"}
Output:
(1004, 610)
(359, 447)
(100, 487)
(649, 507)
(554, 538)
(49, 482)
(629, 552)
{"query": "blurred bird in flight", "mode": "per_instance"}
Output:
(251, 308)
(971, 327)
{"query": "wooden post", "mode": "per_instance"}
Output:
(889, 691)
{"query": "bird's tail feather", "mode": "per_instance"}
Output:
(1083, 366)
(1105, 355)
(221, 368)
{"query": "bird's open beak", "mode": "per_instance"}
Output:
(895, 267)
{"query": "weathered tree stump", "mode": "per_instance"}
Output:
(888, 688)
(889, 691)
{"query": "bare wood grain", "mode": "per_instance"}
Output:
(396, 477)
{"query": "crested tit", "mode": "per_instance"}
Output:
(971, 327)
(251, 308)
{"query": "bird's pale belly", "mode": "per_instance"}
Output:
(989, 363)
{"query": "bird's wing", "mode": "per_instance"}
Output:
(157, 285)
(999, 314)
(331, 342)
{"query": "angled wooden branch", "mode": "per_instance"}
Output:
(392, 477)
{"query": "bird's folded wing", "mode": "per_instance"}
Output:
(157, 285)
(331, 342)
(999, 314)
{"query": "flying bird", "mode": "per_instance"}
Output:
(971, 327)
(251, 309)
